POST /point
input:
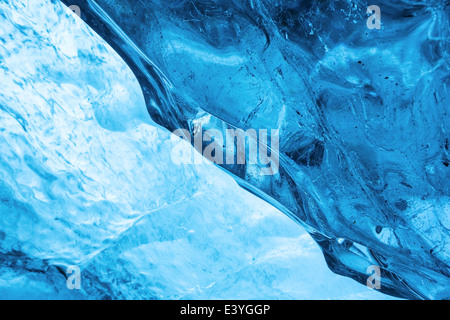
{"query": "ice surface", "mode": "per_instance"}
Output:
(363, 114)
(86, 179)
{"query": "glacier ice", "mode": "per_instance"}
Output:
(86, 179)
(362, 114)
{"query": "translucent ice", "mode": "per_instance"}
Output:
(362, 113)
(86, 179)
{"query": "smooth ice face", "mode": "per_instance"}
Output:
(362, 114)
(86, 179)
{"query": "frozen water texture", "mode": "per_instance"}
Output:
(86, 179)
(363, 114)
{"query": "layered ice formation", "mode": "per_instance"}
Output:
(86, 179)
(362, 114)
(86, 170)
